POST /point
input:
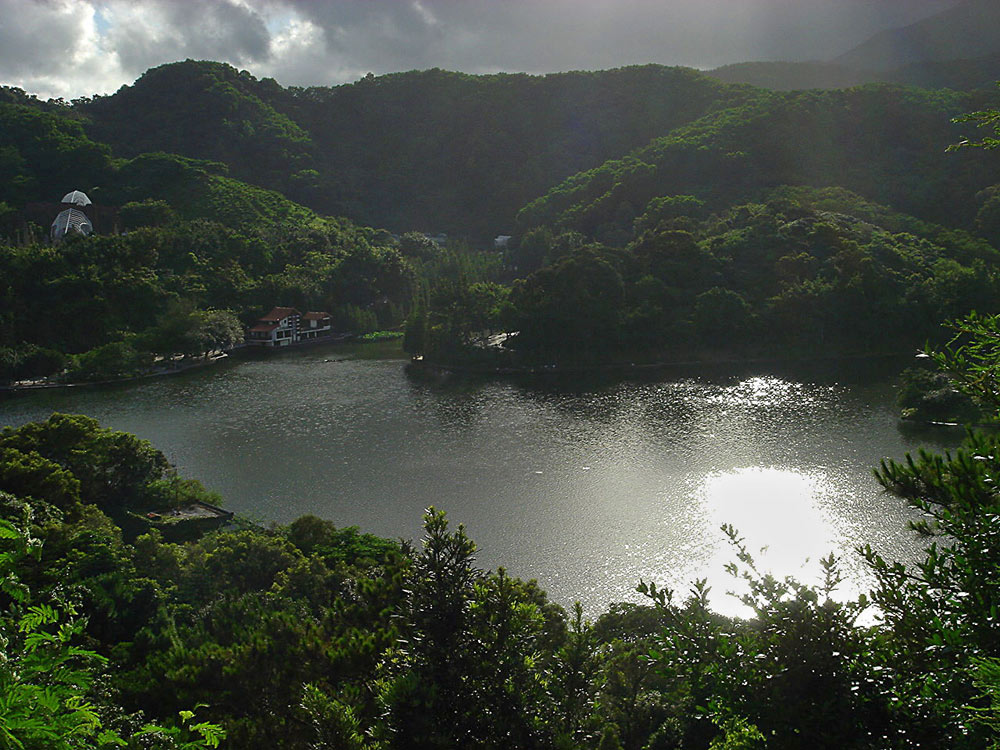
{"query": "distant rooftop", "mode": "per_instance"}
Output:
(279, 313)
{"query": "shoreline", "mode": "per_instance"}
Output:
(200, 364)
(424, 368)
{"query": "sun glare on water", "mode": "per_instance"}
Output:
(777, 514)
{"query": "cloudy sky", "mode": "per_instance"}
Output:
(72, 48)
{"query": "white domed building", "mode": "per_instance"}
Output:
(72, 219)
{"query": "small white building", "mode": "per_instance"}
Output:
(72, 220)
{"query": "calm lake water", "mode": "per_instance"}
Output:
(586, 486)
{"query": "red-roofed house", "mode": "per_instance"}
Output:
(286, 325)
(278, 328)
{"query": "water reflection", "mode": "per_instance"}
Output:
(777, 515)
(586, 485)
(774, 511)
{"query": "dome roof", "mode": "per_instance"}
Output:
(71, 221)
(77, 198)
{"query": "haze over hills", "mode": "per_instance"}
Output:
(78, 48)
(958, 48)
(961, 75)
(967, 31)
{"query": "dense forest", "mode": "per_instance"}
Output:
(655, 214)
(885, 142)
(804, 272)
(432, 150)
(725, 239)
(198, 255)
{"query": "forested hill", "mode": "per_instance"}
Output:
(429, 150)
(884, 142)
(734, 236)
(184, 246)
(260, 164)
(47, 151)
(462, 154)
(203, 110)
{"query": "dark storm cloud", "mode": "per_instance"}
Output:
(37, 37)
(76, 47)
(155, 31)
(533, 35)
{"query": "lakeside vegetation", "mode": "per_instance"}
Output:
(805, 272)
(801, 224)
(309, 635)
(106, 305)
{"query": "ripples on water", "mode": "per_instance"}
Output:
(587, 488)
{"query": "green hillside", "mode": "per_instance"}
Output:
(438, 150)
(430, 150)
(184, 250)
(203, 110)
(43, 154)
(46, 152)
(202, 190)
(884, 142)
(799, 224)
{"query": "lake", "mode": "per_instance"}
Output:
(587, 484)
